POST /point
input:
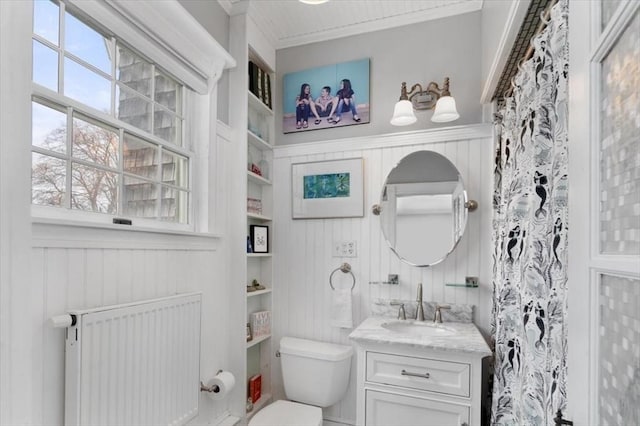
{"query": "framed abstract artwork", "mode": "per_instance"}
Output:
(327, 189)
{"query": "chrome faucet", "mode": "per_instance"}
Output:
(419, 308)
(437, 317)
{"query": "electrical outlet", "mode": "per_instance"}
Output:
(345, 249)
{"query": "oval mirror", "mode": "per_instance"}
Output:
(423, 209)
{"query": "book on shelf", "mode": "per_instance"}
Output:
(260, 83)
(260, 323)
(255, 387)
(267, 98)
(254, 206)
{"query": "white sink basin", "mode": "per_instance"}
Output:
(418, 328)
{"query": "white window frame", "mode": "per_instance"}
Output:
(158, 31)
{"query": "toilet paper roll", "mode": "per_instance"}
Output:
(222, 384)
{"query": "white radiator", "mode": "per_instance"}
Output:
(134, 364)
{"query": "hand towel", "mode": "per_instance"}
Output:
(341, 312)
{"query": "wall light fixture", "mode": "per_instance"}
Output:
(419, 98)
(313, 1)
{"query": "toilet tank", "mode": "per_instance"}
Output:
(315, 373)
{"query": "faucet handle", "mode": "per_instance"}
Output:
(401, 312)
(437, 317)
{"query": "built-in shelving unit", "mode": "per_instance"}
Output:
(253, 119)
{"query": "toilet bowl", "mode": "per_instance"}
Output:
(315, 374)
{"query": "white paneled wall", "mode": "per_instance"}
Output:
(76, 267)
(79, 278)
(303, 248)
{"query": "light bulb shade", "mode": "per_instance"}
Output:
(403, 114)
(445, 110)
(313, 1)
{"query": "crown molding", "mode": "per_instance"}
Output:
(465, 132)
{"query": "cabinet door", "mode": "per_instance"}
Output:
(384, 409)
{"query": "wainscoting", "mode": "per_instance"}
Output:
(303, 248)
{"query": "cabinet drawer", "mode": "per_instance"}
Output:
(450, 378)
(384, 409)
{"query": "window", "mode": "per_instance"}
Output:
(107, 124)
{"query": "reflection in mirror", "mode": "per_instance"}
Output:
(423, 213)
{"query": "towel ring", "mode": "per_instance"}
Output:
(346, 268)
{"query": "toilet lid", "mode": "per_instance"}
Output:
(287, 413)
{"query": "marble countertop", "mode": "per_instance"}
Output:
(467, 338)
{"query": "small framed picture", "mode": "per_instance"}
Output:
(259, 238)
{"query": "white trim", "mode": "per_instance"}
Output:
(517, 12)
(183, 47)
(466, 132)
(224, 131)
(74, 234)
(614, 29)
(366, 27)
(19, 321)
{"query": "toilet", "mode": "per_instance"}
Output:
(315, 374)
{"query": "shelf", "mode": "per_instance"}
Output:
(258, 104)
(257, 179)
(259, 292)
(259, 254)
(258, 340)
(257, 142)
(257, 216)
(264, 400)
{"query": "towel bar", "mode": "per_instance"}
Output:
(346, 268)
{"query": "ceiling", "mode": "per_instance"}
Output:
(288, 23)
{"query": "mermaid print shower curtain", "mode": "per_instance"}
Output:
(530, 236)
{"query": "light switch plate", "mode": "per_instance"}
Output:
(345, 249)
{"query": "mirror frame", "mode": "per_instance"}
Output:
(468, 206)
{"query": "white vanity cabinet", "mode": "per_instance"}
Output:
(407, 383)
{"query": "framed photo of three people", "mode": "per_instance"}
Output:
(326, 97)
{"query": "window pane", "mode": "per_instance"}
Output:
(167, 126)
(167, 92)
(47, 180)
(174, 205)
(619, 145)
(95, 143)
(93, 189)
(46, 18)
(140, 197)
(175, 169)
(134, 71)
(140, 157)
(87, 44)
(48, 128)
(86, 86)
(133, 109)
(619, 346)
(45, 66)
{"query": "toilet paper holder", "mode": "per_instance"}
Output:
(212, 388)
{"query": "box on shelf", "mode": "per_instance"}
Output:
(260, 323)
(255, 387)
(254, 205)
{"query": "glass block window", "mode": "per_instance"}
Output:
(107, 124)
(619, 360)
(620, 145)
